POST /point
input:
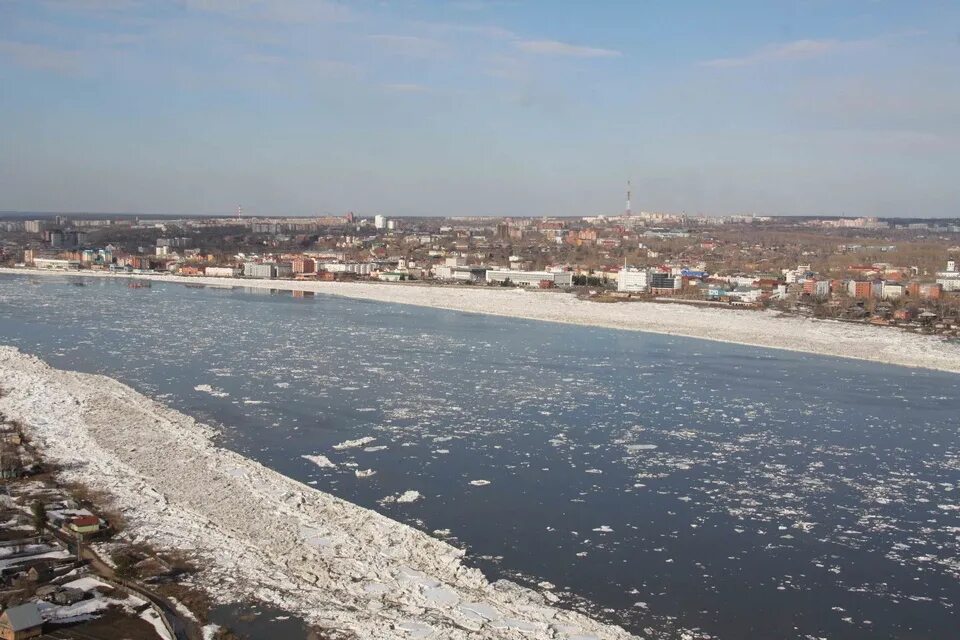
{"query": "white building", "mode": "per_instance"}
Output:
(634, 280)
(892, 290)
(530, 278)
(220, 272)
(461, 273)
(360, 268)
(949, 279)
(380, 222)
(56, 264)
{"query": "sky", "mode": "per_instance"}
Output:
(480, 107)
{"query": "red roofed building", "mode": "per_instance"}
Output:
(84, 524)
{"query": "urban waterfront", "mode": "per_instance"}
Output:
(674, 483)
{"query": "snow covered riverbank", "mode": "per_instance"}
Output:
(259, 534)
(756, 328)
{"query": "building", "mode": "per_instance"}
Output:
(746, 295)
(924, 290)
(34, 226)
(664, 282)
(220, 272)
(460, 273)
(860, 288)
(181, 243)
(530, 278)
(11, 465)
(949, 280)
(359, 268)
(817, 288)
(265, 270)
(84, 525)
(56, 264)
(21, 622)
(633, 280)
(304, 265)
(892, 290)
(380, 222)
(265, 227)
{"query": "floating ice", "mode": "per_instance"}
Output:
(321, 461)
(216, 393)
(349, 444)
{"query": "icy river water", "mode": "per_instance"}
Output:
(662, 483)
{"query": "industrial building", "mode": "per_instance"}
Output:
(461, 273)
(530, 278)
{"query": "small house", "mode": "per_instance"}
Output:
(21, 622)
(84, 524)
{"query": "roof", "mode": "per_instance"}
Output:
(24, 616)
(85, 521)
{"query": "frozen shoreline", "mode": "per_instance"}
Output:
(752, 328)
(258, 534)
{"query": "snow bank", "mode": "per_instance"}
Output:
(256, 533)
(757, 328)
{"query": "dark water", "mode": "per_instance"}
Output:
(672, 483)
(251, 622)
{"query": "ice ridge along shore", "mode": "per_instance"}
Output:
(258, 534)
(753, 328)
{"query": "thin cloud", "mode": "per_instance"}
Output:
(799, 50)
(412, 46)
(557, 48)
(35, 56)
(406, 87)
(491, 32)
(93, 5)
(333, 68)
(264, 58)
(283, 11)
(787, 51)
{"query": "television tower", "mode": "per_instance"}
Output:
(628, 199)
(239, 211)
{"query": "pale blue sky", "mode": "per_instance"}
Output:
(474, 107)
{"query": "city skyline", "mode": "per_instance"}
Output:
(479, 108)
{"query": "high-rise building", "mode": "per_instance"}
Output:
(380, 222)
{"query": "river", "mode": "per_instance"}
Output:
(657, 482)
